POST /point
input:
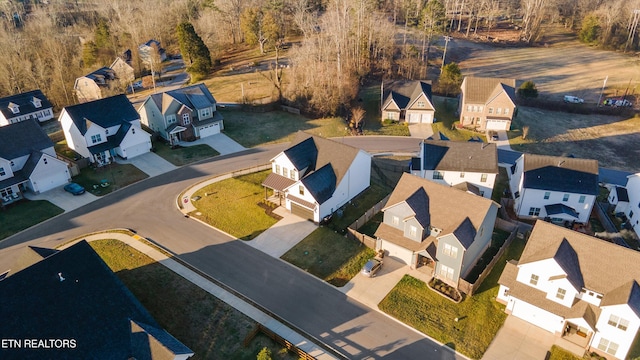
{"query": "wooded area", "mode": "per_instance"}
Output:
(332, 46)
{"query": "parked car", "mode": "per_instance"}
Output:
(137, 84)
(371, 267)
(573, 99)
(74, 188)
(493, 135)
(617, 102)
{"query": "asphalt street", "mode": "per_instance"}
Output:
(149, 207)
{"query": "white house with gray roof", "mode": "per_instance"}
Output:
(408, 101)
(28, 162)
(559, 189)
(426, 223)
(580, 288)
(471, 166)
(317, 176)
(632, 210)
(101, 129)
(23, 106)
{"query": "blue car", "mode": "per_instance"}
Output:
(75, 189)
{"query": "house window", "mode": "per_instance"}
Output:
(561, 293)
(292, 174)
(490, 110)
(451, 250)
(461, 174)
(483, 178)
(12, 163)
(516, 194)
(96, 138)
(547, 194)
(437, 175)
(534, 211)
(285, 172)
(413, 230)
(395, 220)
(277, 169)
(565, 197)
(133, 130)
(534, 279)
(481, 108)
(301, 190)
(608, 346)
(2, 172)
(475, 108)
(582, 198)
(205, 113)
(36, 103)
(185, 119)
(106, 131)
(171, 119)
(420, 104)
(469, 107)
(44, 160)
(499, 111)
(618, 322)
(506, 111)
(446, 272)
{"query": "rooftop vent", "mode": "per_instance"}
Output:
(60, 277)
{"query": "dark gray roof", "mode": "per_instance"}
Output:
(404, 92)
(103, 73)
(614, 177)
(567, 258)
(419, 203)
(459, 156)
(32, 162)
(508, 156)
(24, 101)
(555, 209)
(195, 96)
(465, 233)
(22, 138)
(17, 178)
(438, 136)
(105, 113)
(414, 164)
(36, 304)
(303, 155)
(623, 195)
(564, 174)
(321, 183)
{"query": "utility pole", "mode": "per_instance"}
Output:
(444, 54)
(632, 29)
(602, 90)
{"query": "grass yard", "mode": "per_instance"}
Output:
(413, 303)
(558, 353)
(231, 206)
(117, 175)
(501, 184)
(446, 120)
(24, 214)
(370, 227)
(63, 149)
(329, 256)
(208, 326)
(358, 206)
(183, 155)
(369, 100)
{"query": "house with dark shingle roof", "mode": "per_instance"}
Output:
(408, 101)
(183, 114)
(23, 106)
(471, 165)
(628, 201)
(580, 288)
(101, 129)
(487, 103)
(151, 49)
(74, 302)
(95, 85)
(316, 176)
(559, 189)
(28, 161)
(424, 225)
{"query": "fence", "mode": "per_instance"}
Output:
(365, 240)
(608, 225)
(352, 230)
(277, 338)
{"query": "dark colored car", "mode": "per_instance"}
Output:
(74, 188)
(372, 267)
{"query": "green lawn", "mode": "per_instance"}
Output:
(117, 175)
(24, 214)
(370, 227)
(64, 150)
(329, 256)
(358, 206)
(208, 326)
(369, 100)
(183, 155)
(501, 184)
(558, 353)
(446, 120)
(232, 206)
(413, 303)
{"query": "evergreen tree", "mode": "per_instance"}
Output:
(194, 51)
(450, 79)
(89, 54)
(103, 35)
(528, 90)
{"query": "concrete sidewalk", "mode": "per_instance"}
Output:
(285, 234)
(220, 142)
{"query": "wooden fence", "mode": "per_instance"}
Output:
(301, 354)
(352, 230)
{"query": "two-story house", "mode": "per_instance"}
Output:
(619, 198)
(123, 70)
(316, 176)
(184, 114)
(101, 129)
(408, 101)
(95, 85)
(151, 49)
(559, 189)
(27, 105)
(28, 161)
(487, 103)
(428, 223)
(468, 165)
(580, 288)
(630, 207)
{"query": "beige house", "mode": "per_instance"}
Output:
(95, 85)
(408, 101)
(487, 103)
(123, 71)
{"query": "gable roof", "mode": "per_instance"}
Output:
(403, 93)
(419, 203)
(29, 256)
(70, 294)
(459, 156)
(603, 266)
(24, 101)
(557, 173)
(104, 73)
(321, 183)
(627, 293)
(107, 112)
(479, 90)
(465, 232)
(195, 97)
(22, 138)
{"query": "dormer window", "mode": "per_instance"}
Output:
(14, 108)
(36, 102)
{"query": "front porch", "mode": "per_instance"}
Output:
(11, 192)
(12, 198)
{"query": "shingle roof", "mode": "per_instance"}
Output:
(469, 187)
(419, 203)
(465, 233)
(22, 138)
(557, 173)
(404, 92)
(36, 304)
(194, 97)
(24, 101)
(628, 293)
(102, 73)
(321, 183)
(555, 209)
(105, 113)
(303, 155)
(29, 256)
(567, 258)
(460, 156)
(478, 90)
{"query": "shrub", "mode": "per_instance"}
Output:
(528, 90)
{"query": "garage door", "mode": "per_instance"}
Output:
(50, 181)
(209, 130)
(537, 316)
(427, 119)
(414, 118)
(136, 150)
(497, 125)
(301, 211)
(397, 252)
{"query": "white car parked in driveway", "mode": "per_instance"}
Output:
(573, 99)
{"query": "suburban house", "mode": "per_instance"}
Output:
(316, 176)
(28, 161)
(95, 85)
(487, 103)
(580, 288)
(148, 50)
(123, 70)
(619, 199)
(101, 129)
(184, 114)
(559, 189)
(446, 229)
(27, 105)
(632, 209)
(408, 101)
(76, 307)
(469, 165)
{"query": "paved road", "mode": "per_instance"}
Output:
(324, 312)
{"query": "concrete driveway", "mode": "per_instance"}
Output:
(422, 131)
(63, 199)
(149, 163)
(220, 142)
(370, 291)
(519, 340)
(285, 234)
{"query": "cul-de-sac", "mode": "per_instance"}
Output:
(320, 179)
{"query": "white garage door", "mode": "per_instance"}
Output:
(50, 181)
(397, 252)
(427, 119)
(537, 316)
(414, 118)
(136, 150)
(209, 130)
(497, 125)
